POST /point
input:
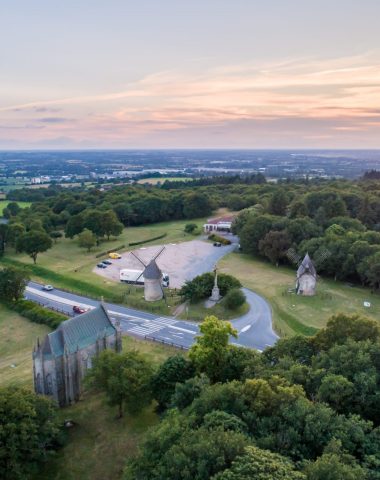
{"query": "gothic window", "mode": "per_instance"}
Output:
(38, 383)
(49, 384)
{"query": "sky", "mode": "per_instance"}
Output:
(189, 74)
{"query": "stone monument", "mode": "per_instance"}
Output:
(215, 294)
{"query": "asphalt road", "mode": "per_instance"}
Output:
(254, 328)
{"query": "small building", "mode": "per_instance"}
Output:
(220, 224)
(61, 360)
(153, 289)
(306, 277)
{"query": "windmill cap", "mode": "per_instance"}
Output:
(152, 272)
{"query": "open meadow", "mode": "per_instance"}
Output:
(68, 266)
(294, 314)
(17, 337)
(4, 203)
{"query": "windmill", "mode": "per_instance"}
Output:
(153, 289)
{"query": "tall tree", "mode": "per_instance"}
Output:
(260, 464)
(274, 246)
(111, 224)
(278, 203)
(29, 432)
(209, 353)
(4, 234)
(86, 239)
(34, 242)
(12, 283)
(125, 379)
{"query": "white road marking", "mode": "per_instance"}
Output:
(182, 329)
(247, 327)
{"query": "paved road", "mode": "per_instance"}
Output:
(255, 327)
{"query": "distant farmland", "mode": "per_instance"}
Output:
(155, 180)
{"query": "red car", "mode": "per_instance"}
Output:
(78, 309)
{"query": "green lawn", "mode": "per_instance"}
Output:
(197, 312)
(67, 266)
(4, 203)
(99, 445)
(292, 313)
(17, 337)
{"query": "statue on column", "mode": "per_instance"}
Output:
(215, 294)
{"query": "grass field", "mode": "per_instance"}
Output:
(17, 337)
(156, 180)
(4, 203)
(197, 312)
(100, 444)
(292, 313)
(67, 266)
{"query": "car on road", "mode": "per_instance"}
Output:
(48, 288)
(101, 265)
(107, 262)
(79, 309)
(217, 244)
(114, 255)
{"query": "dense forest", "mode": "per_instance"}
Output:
(306, 408)
(337, 222)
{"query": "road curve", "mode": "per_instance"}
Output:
(254, 328)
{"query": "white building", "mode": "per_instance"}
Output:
(220, 224)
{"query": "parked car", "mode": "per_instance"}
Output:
(115, 255)
(101, 265)
(217, 244)
(78, 309)
(48, 288)
(107, 262)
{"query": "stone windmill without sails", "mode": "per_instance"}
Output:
(152, 274)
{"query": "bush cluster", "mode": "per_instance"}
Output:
(201, 286)
(37, 314)
(217, 238)
(234, 299)
(148, 240)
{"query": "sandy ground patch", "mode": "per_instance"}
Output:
(181, 261)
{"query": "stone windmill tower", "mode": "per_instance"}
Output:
(306, 277)
(152, 274)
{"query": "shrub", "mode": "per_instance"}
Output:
(217, 238)
(37, 314)
(234, 299)
(190, 227)
(201, 286)
(147, 240)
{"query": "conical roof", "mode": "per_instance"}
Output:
(152, 272)
(307, 266)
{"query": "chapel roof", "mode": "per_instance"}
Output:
(78, 332)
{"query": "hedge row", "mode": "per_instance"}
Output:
(109, 251)
(217, 238)
(37, 314)
(148, 240)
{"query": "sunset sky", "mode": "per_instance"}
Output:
(189, 74)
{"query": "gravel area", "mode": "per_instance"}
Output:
(182, 261)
